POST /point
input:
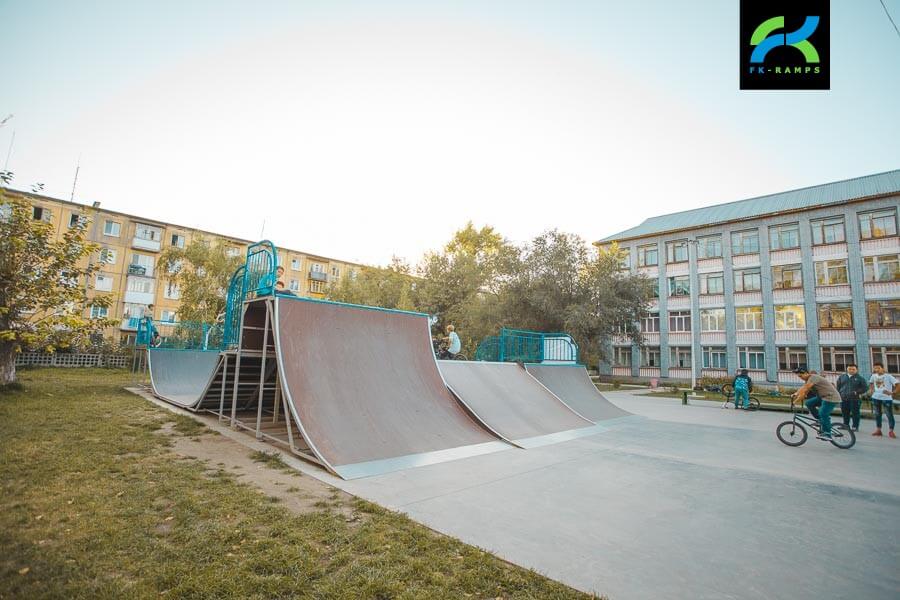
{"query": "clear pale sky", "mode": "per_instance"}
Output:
(362, 130)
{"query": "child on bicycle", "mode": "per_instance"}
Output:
(822, 401)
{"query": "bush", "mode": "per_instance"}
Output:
(674, 389)
(616, 384)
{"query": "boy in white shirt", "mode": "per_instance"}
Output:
(881, 391)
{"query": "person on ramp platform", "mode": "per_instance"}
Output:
(453, 345)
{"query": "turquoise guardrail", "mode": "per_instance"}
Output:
(519, 345)
(255, 278)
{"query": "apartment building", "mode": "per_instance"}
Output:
(808, 276)
(130, 247)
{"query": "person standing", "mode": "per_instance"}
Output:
(882, 386)
(742, 385)
(453, 343)
(821, 402)
(851, 385)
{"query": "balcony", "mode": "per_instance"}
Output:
(621, 371)
(318, 276)
(745, 260)
(790, 336)
(785, 257)
(679, 268)
(889, 336)
(882, 290)
(789, 295)
(837, 336)
(679, 338)
(747, 298)
(713, 338)
(140, 243)
(140, 270)
(832, 293)
(139, 297)
(750, 336)
(828, 251)
(678, 302)
(880, 246)
(709, 265)
(712, 300)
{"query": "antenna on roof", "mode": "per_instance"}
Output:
(74, 181)
(262, 232)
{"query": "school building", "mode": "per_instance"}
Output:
(808, 276)
(130, 247)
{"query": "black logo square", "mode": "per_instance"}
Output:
(785, 45)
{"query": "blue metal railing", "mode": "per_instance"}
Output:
(233, 306)
(255, 278)
(517, 345)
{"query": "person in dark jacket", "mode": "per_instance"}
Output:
(742, 385)
(851, 385)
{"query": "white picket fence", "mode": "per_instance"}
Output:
(53, 359)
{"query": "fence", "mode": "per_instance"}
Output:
(514, 345)
(54, 359)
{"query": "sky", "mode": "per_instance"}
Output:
(366, 130)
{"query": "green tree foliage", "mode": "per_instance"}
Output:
(202, 272)
(389, 287)
(43, 284)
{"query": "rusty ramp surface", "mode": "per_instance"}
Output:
(573, 385)
(365, 391)
(513, 403)
(181, 376)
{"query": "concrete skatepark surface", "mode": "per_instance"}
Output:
(512, 403)
(713, 506)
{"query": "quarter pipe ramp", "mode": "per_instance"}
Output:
(181, 376)
(513, 404)
(573, 385)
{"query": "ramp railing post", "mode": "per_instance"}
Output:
(262, 373)
(224, 384)
(237, 366)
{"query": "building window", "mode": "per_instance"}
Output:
(787, 277)
(835, 360)
(680, 320)
(172, 292)
(103, 283)
(654, 288)
(144, 264)
(295, 264)
(168, 316)
(835, 315)
(39, 213)
(751, 357)
(76, 220)
(712, 319)
(317, 287)
(828, 231)
(745, 242)
(831, 272)
(140, 284)
(680, 286)
(294, 285)
(790, 316)
(677, 251)
(622, 357)
(889, 357)
(650, 356)
(178, 240)
(712, 283)
(748, 318)
(650, 323)
(784, 237)
(791, 358)
(147, 232)
(878, 224)
(648, 256)
(714, 358)
(882, 268)
(883, 313)
(624, 258)
(709, 246)
(112, 228)
(99, 312)
(108, 256)
(232, 251)
(680, 357)
(747, 280)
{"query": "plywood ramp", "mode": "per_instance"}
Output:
(573, 385)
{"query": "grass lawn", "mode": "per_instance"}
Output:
(95, 503)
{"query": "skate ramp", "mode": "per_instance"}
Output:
(573, 385)
(181, 376)
(513, 403)
(365, 390)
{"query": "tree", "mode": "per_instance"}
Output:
(43, 284)
(388, 287)
(201, 273)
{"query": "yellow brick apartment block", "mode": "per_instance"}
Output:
(130, 247)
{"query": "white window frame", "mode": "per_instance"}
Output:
(740, 241)
(648, 353)
(177, 240)
(168, 315)
(704, 283)
(679, 321)
(777, 233)
(108, 256)
(680, 357)
(622, 356)
(778, 280)
(114, 231)
(826, 228)
(752, 357)
(712, 319)
(650, 323)
(105, 278)
(295, 264)
(294, 285)
(791, 357)
(889, 214)
(832, 356)
(172, 291)
(790, 317)
(99, 312)
(709, 246)
(742, 276)
(871, 266)
(642, 252)
(748, 318)
(830, 269)
(715, 357)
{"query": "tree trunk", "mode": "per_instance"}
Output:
(7, 363)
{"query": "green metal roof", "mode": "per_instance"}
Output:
(818, 195)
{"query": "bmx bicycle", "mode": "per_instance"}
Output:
(728, 392)
(793, 432)
(441, 352)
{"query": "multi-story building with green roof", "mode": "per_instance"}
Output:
(808, 276)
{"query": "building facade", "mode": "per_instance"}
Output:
(130, 247)
(809, 276)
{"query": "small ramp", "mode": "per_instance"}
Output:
(513, 404)
(573, 385)
(365, 391)
(182, 376)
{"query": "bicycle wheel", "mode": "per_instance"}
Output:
(460, 356)
(754, 403)
(842, 437)
(791, 433)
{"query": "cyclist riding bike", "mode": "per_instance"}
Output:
(821, 398)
